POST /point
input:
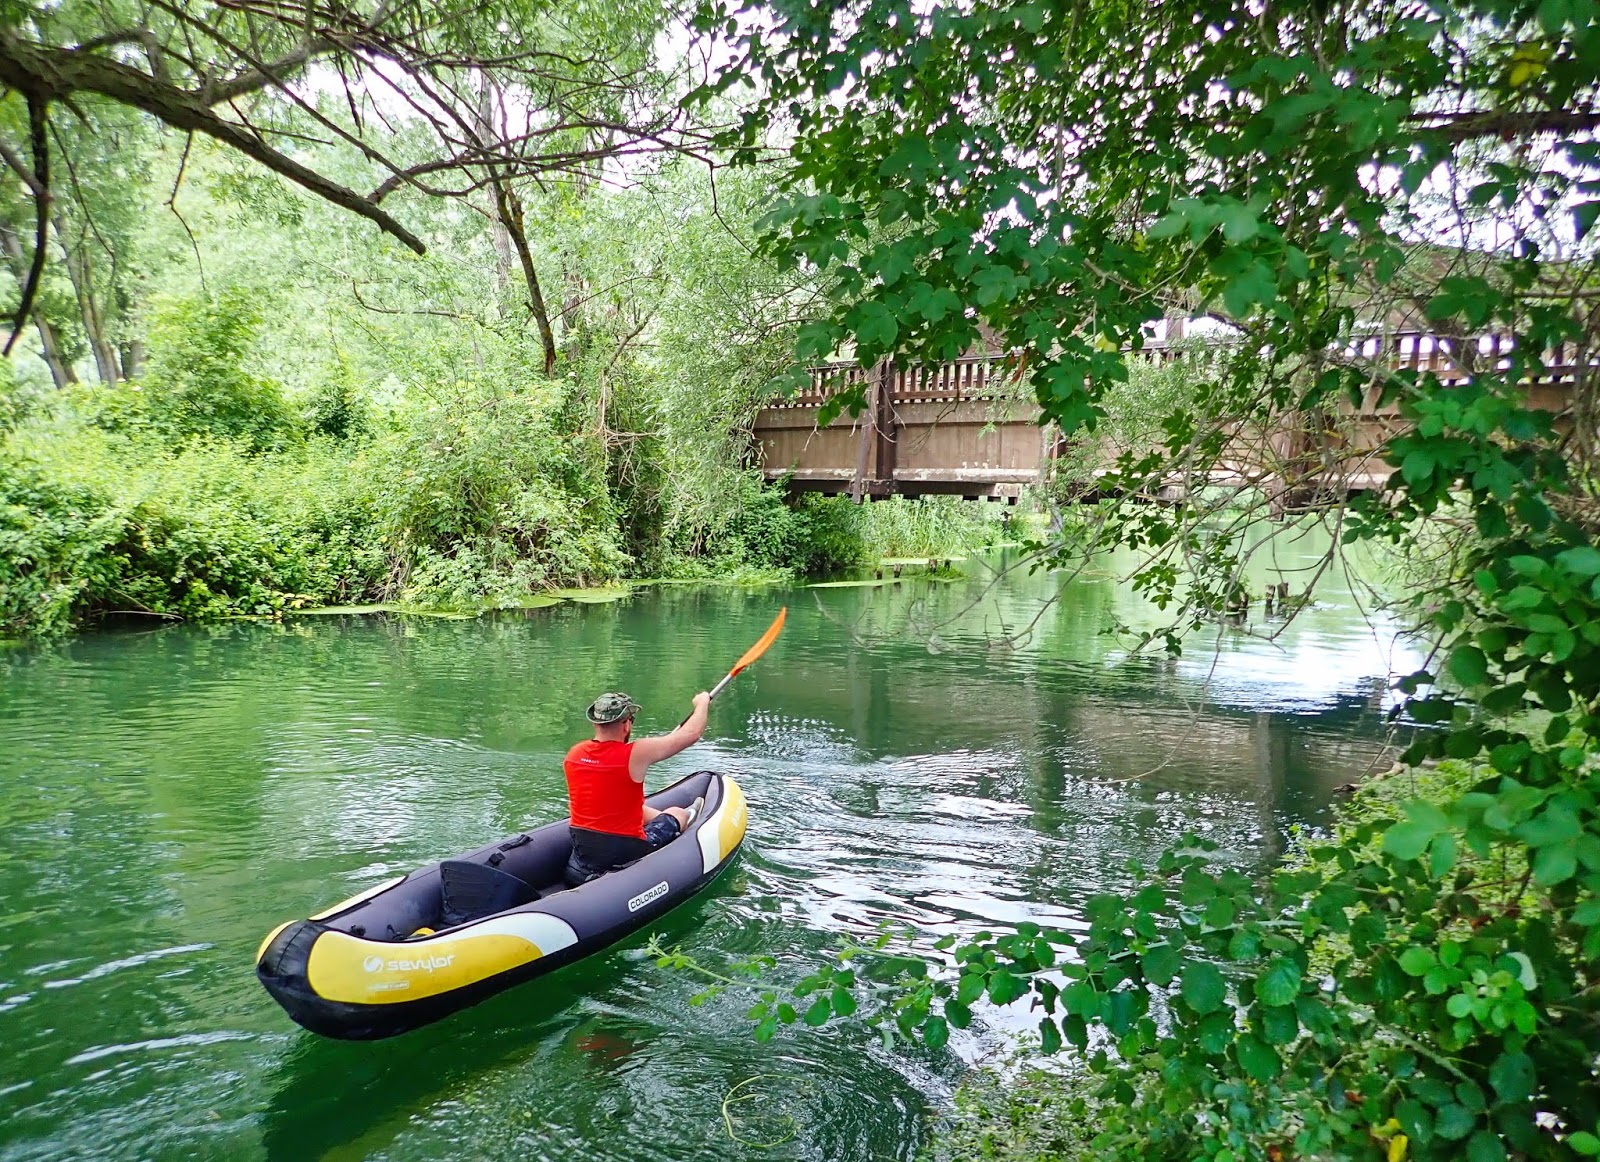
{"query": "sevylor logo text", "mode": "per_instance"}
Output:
(427, 964)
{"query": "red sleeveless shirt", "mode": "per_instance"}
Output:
(605, 797)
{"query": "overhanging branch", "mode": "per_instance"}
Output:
(1507, 123)
(46, 74)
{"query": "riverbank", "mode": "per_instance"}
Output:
(104, 512)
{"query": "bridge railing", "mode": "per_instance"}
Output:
(987, 376)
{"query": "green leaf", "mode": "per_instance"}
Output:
(1239, 223)
(1583, 560)
(1520, 598)
(935, 1032)
(1555, 863)
(1243, 945)
(1409, 839)
(877, 326)
(1558, 823)
(1161, 964)
(1004, 987)
(1203, 988)
(1415, 1119)
(1258, 1059)
(844, 1001)
(1526, 977)
(1418, 466)
(1453, 1122)
(1252, 285)
(1584, 215)
(1469, 666)
(1220, 911)
(1049, 1035)
(970, 987)
(1280, 1026)
(1417, 960)
(995, 284)
(819, 1012)
(1279, 983)
(1485, 1147)
(1167, 226)
(1512, 1076)
(1585, 1143)
(815, 340)
(1442, 855)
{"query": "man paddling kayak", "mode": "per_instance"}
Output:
(610, 825)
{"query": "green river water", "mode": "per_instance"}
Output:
(168, 795)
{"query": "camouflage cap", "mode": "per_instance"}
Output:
(610, 708)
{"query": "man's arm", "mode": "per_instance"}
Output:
(664, 746)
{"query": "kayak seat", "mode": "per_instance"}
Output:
(474, 890)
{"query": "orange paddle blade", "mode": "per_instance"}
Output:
(760, 647)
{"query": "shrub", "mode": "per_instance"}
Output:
(481, 500)
(52, 538)
(827, 534)
(92, 523)
(335, 407)
(198, 382)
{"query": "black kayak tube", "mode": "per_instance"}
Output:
(419, 947)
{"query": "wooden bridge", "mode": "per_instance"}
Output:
(971, 428)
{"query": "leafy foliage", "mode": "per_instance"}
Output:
(1063, 177)
(199, 382)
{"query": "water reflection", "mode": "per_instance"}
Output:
(166, 797)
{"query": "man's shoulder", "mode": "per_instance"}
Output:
(594, 750)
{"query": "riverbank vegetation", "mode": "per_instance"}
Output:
(1425, 982)
(293, 413)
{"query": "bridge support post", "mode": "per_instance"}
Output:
(875, 455)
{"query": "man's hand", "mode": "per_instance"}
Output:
(702, 701)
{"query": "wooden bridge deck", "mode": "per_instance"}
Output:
(971, 428)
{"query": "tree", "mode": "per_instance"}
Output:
(1321, 173)
(581, 83)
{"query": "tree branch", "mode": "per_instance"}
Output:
(1504, 123)
(270, 73)
(21, 169)
(46, 73)
(38, 111)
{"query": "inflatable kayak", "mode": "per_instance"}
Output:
(421, 946)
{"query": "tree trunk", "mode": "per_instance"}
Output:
(510, 210)
(498, 232)
(132, 358)
(130, 350)
(82, 276)
(60, 370)
(49, 345)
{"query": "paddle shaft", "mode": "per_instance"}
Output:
(751, 655)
